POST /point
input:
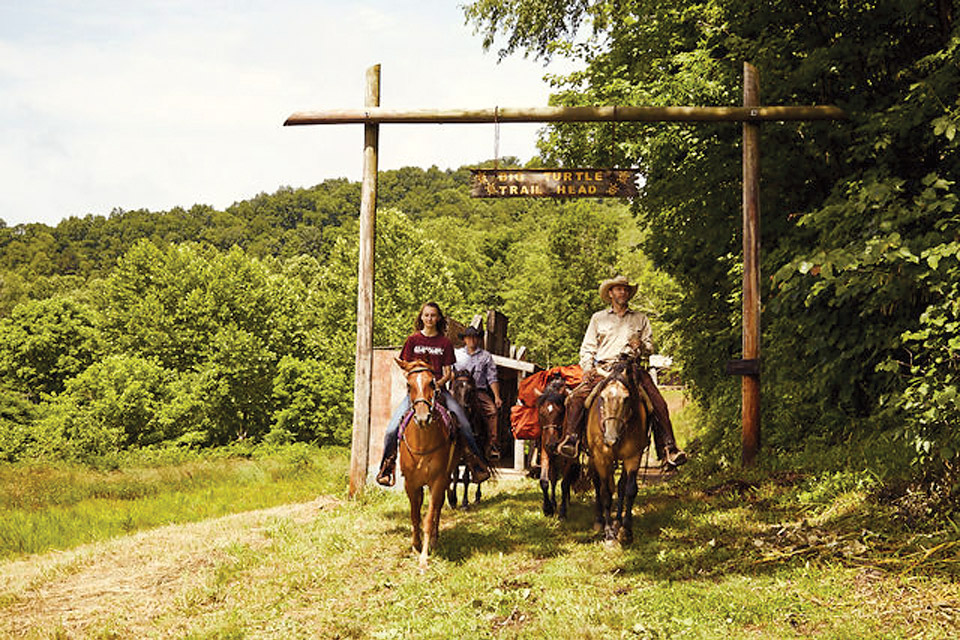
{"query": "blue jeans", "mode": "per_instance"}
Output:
(390, 439)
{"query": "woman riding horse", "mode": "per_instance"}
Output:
(429, 343)
(428, 454)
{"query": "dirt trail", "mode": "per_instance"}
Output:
(131, 580)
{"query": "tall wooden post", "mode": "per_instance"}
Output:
(359, 453)
(750, 438)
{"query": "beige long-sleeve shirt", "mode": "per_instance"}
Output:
(608, 334)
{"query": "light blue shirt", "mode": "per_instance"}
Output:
(479, 364)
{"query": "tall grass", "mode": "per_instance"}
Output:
(59, 505)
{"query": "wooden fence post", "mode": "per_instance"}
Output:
(750, 437)
(360, 446)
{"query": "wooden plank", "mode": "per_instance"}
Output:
(373, 115)
(554, 183)
(513, 363)
(750, 384)
(521, 353)
(743, 367)
(496, 337)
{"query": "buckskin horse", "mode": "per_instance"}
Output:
(429, 449)
(464, 391)
(617, 430)
(550, 411)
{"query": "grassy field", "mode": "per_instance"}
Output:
(47, 506)
(742, 556)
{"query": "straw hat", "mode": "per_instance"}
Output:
(606, 285)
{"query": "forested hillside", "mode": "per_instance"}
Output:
(200, 327)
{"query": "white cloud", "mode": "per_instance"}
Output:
(158, 104)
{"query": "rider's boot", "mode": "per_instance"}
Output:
(385, 476)
(478, 468)
(569, 443)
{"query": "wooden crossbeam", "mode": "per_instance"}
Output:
(382, 115)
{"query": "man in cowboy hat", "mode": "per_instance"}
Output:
(476, 360)
(615, 330)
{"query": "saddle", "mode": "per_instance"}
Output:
(449, 423)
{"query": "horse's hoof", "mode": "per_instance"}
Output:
(547, 509)
(625, 536)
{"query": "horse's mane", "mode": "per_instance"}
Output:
(420, 363)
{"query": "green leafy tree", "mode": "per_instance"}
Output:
(312, 403)
(112, 405)
(45, 342)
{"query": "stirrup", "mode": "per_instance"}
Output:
(386, 477)
(569, 448)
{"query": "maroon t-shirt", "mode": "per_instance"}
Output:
(437, 351)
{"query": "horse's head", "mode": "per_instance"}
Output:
(463, 387)
(421, 388)
(550, 410)
(615, 407)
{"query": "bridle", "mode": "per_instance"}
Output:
(429, 402)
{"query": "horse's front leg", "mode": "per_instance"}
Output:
(415, 496)
(598, 518)
(452, 487)
(570, 473)
(466, 477)
(545, 467)
(433, 520)
(606, 504)
(621, 488)
(629, 489)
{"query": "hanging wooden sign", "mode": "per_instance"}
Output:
(554, 183)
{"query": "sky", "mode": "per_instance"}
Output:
(110, 105)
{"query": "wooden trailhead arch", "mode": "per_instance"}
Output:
(751, 114)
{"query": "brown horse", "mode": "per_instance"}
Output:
(429, 449)
(550, 411)
(617, 430)
(464, 391)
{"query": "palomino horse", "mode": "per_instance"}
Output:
(464, 391)
(617, 431)
(550, 411)
(429, 449)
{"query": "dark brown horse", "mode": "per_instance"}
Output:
(553, 466)
(617, 431)
(429, 449)
(464, 391)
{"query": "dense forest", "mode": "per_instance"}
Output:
(197, 327)
(200, 327)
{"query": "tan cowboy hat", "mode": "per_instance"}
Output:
(606, 285)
